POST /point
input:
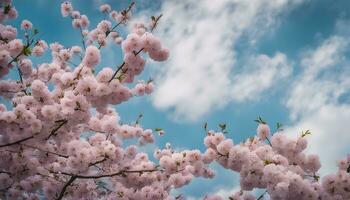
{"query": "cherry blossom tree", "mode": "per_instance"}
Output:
(61, 137)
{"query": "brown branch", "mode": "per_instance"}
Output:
(5, 172)
(23, 50)
(45, 151)
(106, 175)
(135, 53)
(262, 195)
(70, 181)
(17, 142)
(124, 13)
(74, 176)
(21, 79)
(268, 140)
(82, 37)
(156, 22)
(98, 162)
(53, 132)
(108, 32)
(116, 72)
(123, 64)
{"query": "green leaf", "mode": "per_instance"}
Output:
(222, 126)
(138, 118)
(260, 121)
(279, 126)
(266, 162)
(206, 126)
(7, 9)
(150, 80)
(158, 129)
(27, 51)
(153, 18)
(36, 31)
(316, 177)
(307, 132)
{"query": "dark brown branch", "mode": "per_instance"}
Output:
(23, 50)
(53, 132)
(17, 142)
(268, 140)
(98, 162)
(262, 195)
(70, 181)
(116, 72)
(50, 152)
(82, 38)
(106, 175)
(135, 53)
(5, 172)
(156, 22)
(20, 74)
(123, 64)
(108, 32)
(124, 13)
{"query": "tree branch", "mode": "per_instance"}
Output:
(135, 53)
(106, 175)
(70, 181)
(124, 13)
(53, 132)
(17, 142)
(50, 152)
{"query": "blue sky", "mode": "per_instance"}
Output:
(231, 61)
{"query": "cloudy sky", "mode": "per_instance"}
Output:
(231, 61)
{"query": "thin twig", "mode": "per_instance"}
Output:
(63, 122)
(135, 53)
(17, 142)
(70, 181)
(268, 140)
(262, 195)
(82, 37)
(124, 12)
(45, 151)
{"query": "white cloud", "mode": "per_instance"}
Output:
(315, 101)
(261, 73)
(202, 38)
(320, 82)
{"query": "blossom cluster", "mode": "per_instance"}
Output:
(280, 166)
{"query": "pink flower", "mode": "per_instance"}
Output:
(66, 8)
(26, 25)
(92, 56)
(140, 89)
(263, 131)
(105, 8)
(12, 14)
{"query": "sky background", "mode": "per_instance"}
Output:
(231, 61)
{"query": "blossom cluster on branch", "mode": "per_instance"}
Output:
(62, 138)
(279, 165)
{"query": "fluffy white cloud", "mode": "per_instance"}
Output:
(261, 73)
(319, 101)
(203, 37)
(323, 79)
